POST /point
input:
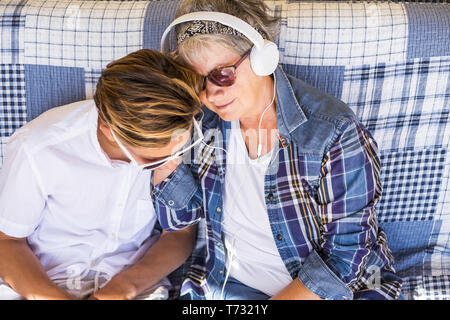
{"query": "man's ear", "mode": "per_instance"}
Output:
(106, 131)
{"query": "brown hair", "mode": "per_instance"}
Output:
(146, 96)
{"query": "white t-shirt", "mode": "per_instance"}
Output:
(255, 260)
(79, 210)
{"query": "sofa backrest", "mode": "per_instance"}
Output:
(389, 61)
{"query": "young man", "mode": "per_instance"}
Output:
(76, 212)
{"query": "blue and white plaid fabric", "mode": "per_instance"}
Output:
(325, 33)
(388, 61)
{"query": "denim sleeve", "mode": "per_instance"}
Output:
(178, 200)
(353, 246)
(320, 280)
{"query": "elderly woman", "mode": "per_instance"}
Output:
(287, 177)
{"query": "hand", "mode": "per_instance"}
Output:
(161, 173)
(295, 291)
(51, 294)
(116, 289)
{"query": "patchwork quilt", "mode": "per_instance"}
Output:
(389, 61)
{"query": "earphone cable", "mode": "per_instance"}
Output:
(259, 151)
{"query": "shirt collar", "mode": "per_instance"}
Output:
(289, 113)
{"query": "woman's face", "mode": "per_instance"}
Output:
(236, 101)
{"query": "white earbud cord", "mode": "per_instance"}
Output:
(262, 115)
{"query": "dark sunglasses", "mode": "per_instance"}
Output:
(224, 76)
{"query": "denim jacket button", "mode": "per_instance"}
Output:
(171, 202)
(219, 209)
(279, 237)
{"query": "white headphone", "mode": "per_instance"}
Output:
(264, 55)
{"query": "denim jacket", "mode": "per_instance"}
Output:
(321, 188)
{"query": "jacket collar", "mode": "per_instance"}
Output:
(289, 113)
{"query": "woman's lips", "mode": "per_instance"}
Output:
(225, 105)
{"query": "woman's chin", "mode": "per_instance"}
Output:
(225, 115)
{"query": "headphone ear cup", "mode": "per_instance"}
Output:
(264, 61)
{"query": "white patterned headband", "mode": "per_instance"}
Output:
(208, 27)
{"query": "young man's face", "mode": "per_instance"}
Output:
(152, 155)
(144, 156)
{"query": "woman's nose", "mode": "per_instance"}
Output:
(213, 92)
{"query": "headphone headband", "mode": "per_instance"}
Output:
(264, 55)
(223, 18)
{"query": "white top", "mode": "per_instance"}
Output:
(255, 260)
(79, 210)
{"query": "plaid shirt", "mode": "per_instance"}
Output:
(321, 189)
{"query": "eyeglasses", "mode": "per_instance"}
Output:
(159, 163)
(225, 76)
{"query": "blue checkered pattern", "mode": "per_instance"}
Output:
(389, 61)
(82, 33)
(323, 33)
(13, 108)
(427, 287)
(13, 113)
(412, 181)
(402, 103)
(12, 23)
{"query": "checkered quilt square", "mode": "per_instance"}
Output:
(427, 288)
(12, 23)
(405, 104)
(411, 182)
(343, 33)
(82, 33)
(13, 109)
